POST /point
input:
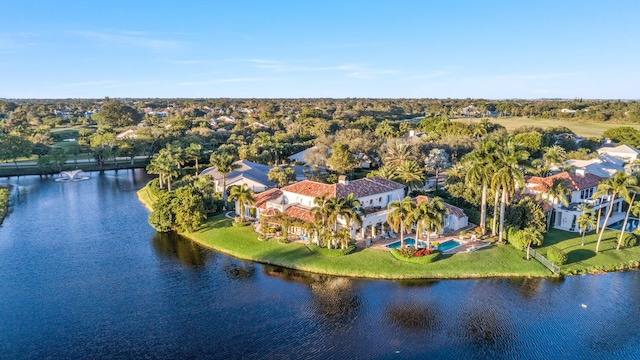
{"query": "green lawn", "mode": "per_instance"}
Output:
(587, 129)
(242, 242)
(584, 259)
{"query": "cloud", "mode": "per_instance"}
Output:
(131, 38)
(350, 70)
(229, 80)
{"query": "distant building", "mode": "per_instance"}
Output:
(624, 152)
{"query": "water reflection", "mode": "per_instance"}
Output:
(413, 315)
(174, 246)
(487, 330)
(239, 270)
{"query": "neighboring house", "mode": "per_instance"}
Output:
(297, 200)
(254, 175)
(568, 111)
(129, 134)
(455, 220)
(582, 189)
(604, 166)
(414, 136)
(624, 152)
(227, 119)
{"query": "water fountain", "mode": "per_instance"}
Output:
(72, 175)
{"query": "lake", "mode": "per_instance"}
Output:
(83, 275)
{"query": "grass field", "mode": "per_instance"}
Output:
(583, 259)
(586, 129)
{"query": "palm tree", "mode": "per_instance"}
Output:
(428, 216)
(618, 185)
(384, 172)
(244, 196)
(193, 151)
(585, 221)
(401, 215)
(635, 210)
(558, 192)
(410, 174)
(320, 210)
(482, 167)
(154, 167)
(396, 153)
(508, 177)
(554, 155)
(349, 209)
(224, 163)
(635, 190)
(532, 237)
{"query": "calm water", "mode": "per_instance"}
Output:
(82, 275)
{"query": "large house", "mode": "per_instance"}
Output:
(624, 152)
(296, 200)
(254, 175)
(582, 189)
(604, 166)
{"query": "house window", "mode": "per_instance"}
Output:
(371, 202)
(380, 199)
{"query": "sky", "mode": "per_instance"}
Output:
(293, 49)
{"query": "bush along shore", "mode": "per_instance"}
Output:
(4, 203)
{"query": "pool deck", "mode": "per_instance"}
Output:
(466, 246)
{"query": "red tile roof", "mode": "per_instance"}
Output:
(269, 212)
(361, 187)
(299, 213)
(575, 182)
(262, 198)
(452, 209)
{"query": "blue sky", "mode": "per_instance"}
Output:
(413, 49)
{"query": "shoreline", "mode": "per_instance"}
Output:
(383, 266)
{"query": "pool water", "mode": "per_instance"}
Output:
(407, 242)
(448, 245)
(632, 224)
(444, 246)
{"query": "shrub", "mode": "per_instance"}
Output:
(241, 224)
(283, 240)
(423, 252)
(331, 252)
(426, 259)
(463, 233)
(629, 240)
(407, 251)
(435, 244)
(556, 256)
(478, 229)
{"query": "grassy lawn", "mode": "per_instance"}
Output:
(587, 129)
(504, 260)
(583, 259)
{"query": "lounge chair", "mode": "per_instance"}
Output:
(391, 233)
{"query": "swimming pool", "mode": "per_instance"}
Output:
(632, 224)
(444, 246)
(448, 245)
(407, 242)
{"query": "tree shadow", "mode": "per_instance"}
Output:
(579, 255)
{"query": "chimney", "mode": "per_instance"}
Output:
(412, 133)
(580, 172)
(342, 179)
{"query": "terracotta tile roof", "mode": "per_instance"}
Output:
(262, 198)
(299, 213)
(269, 212)
(454, 210)
(361, 187)
(575, 182)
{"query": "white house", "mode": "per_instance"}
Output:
(604, 166)
(299, 157)
(624, 152)
(296, 200)
(582, 189)
(455, 220)
(254, 175)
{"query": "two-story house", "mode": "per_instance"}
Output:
(296, 200)
(582, 186)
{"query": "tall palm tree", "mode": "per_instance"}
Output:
(193, 151)
(481, 169)
(401, 216)
(635, 210)
(508, 177)
(244, 196)
(224, 163)
(154, 167)
(396, 153)
(349, 209)
(585, 222)
(384, 172)
(429, 215)
(557, 193)
(320, 210)
(554, 155)
(635, 190)
(620, 185)
(410, 174)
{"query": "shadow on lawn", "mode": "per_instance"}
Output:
(579, 255)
